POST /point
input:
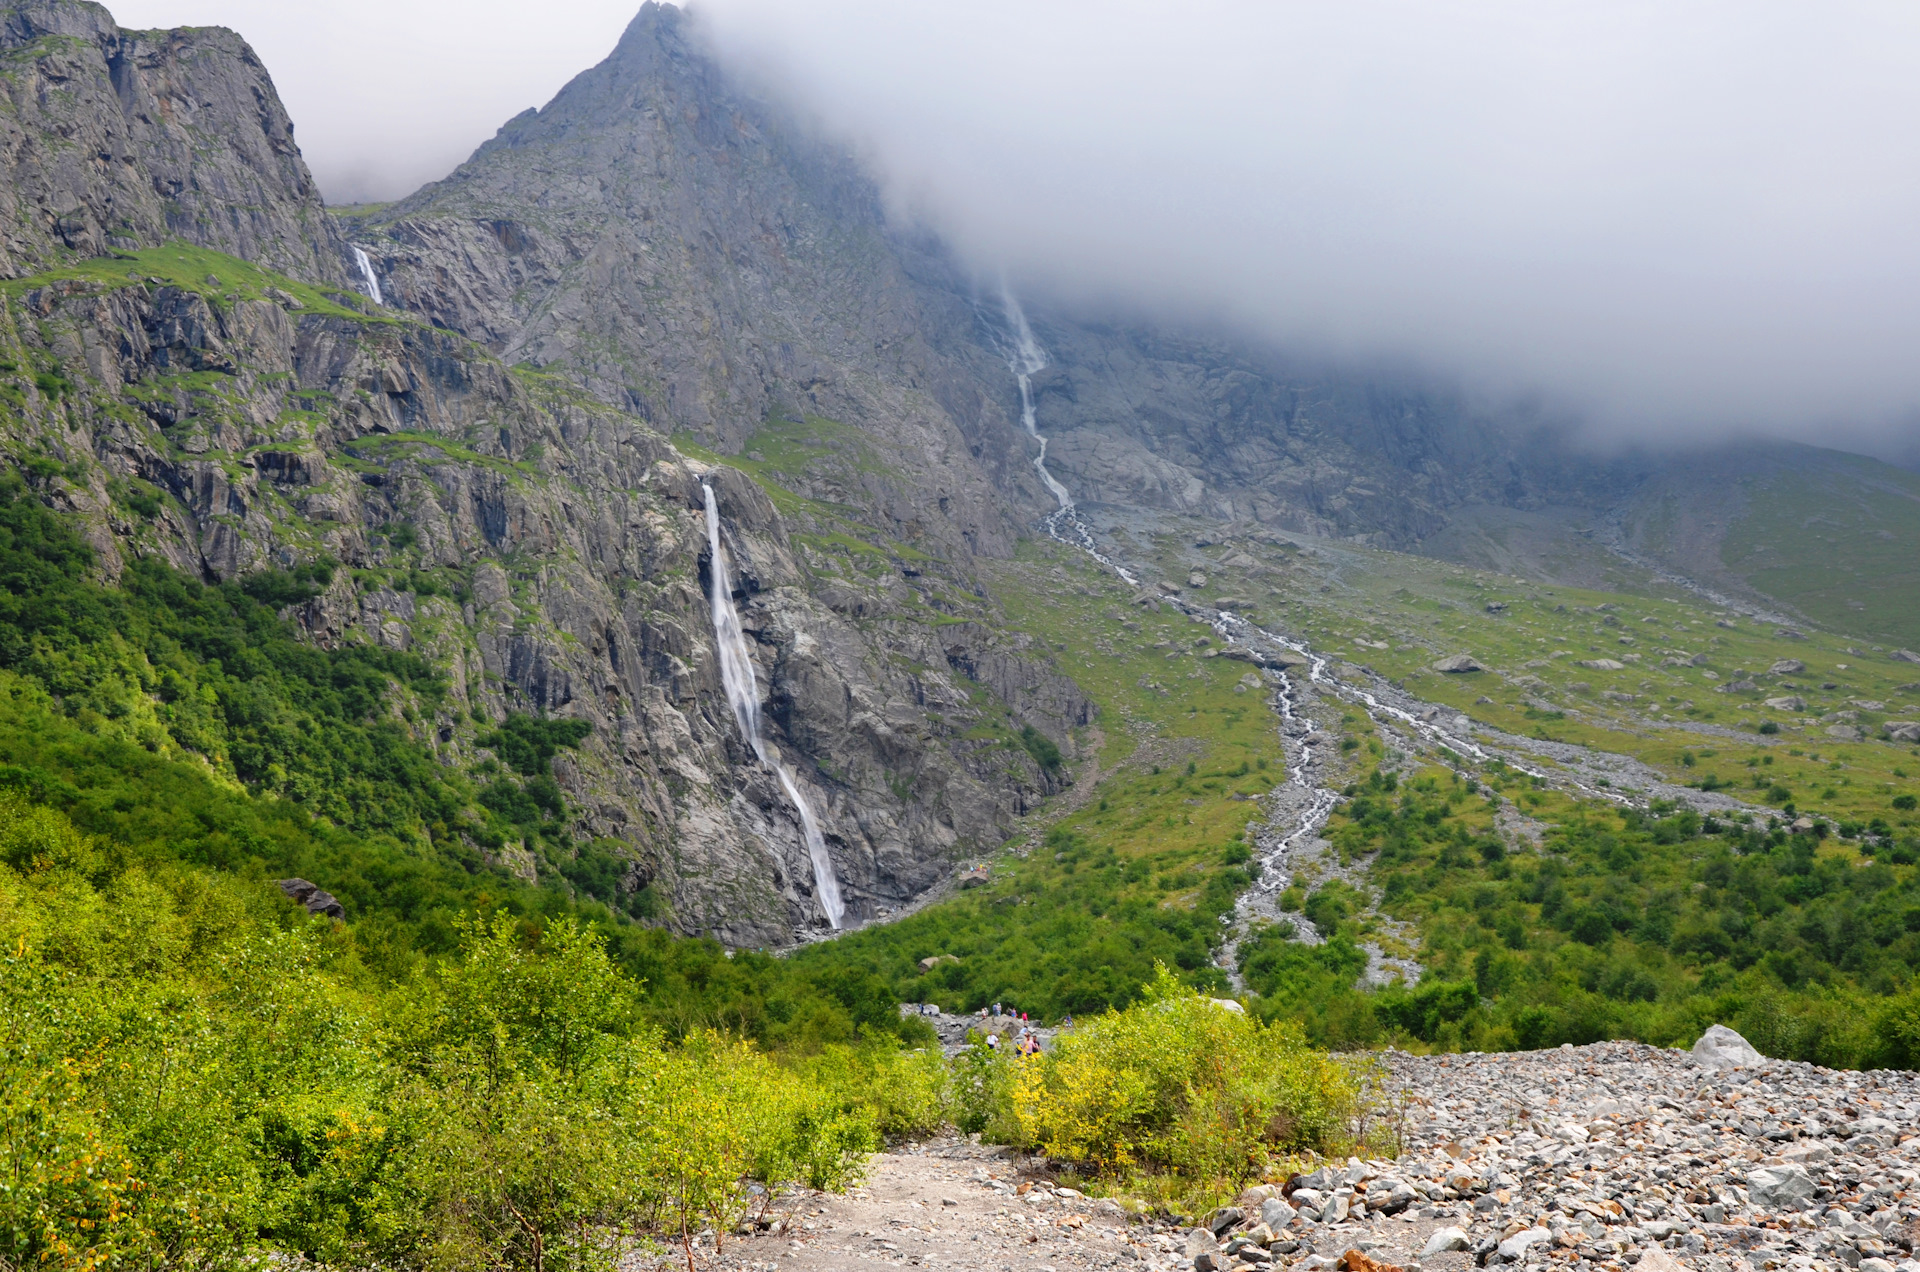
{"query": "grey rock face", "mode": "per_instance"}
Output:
(571, 537)
(687, 253)
(112, 139)
(1721, 1048)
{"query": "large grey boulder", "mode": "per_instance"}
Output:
(1442, 1240)
(1787, 667)
(1903, 730)
(1276, 1214)
(313, 897)
(1456, 664)
(1787, 1187)
(1722, 1048)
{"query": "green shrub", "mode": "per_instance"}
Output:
(1179, 1084)
(1041, 748)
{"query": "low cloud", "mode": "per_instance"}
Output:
(1681, 220)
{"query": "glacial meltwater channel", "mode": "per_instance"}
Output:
(743, 694)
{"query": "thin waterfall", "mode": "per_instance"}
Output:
(365, 263)
(1026, 357)
(743, 694)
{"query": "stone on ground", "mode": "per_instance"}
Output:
(1722, 1048)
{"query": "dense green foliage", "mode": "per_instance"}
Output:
(1621, 924)
(1077, 930)
(1179, 1086)
(191, 1069)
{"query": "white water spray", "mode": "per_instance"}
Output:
(1026, 357)
(361, 259)
(743, 694)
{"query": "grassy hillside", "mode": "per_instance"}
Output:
(1837, 542)
(1620, 923)
(1645, 924)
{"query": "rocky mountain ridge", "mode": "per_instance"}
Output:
(544, 549)
(112, 140)
(657, 279)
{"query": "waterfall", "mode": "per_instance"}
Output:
(1026, 357)
(743, 694)
(361, 259)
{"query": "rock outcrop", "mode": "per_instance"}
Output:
(112, 140)
(548, 553)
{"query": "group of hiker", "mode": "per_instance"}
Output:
(1026, 1042)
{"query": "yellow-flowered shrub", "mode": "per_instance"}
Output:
(1179, 1083)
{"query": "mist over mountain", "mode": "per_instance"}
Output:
(1669, 220)
(1673, 224)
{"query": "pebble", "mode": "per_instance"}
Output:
(1618, 1155)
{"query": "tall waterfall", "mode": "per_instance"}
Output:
(1026, 357)
(743, 694)
(365, 263)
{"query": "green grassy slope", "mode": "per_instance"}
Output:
(1840, 542)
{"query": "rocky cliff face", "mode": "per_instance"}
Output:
(685, 252)
(549, 552)
(1180, 421)
(112, 140)
(543, 544)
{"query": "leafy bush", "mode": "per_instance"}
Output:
(1041, 748)
(194, 1074)
(1178, 1083)
(1622, 923)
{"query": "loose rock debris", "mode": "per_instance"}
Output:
(1582, 1159)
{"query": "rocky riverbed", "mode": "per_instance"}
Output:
(1587, 1159)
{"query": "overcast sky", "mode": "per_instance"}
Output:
(1673, 216)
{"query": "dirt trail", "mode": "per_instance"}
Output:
(948, 1203)
(943, 1204)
